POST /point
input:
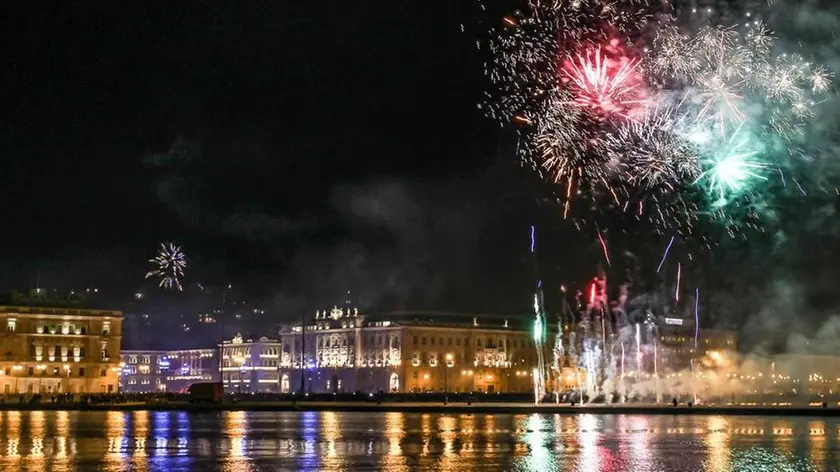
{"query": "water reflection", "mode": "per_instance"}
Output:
(588, 440)
(816, 446)
(115, 434)
(140, 422)
(267, 441)
(717, 443)
(62, 439)
(447, 431)
(37, 425)
(331, 427)
(236, 430)
(638, 427)
(394, 429)
(12, 432)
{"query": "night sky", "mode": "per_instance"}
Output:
(296, 150)
(288, 149)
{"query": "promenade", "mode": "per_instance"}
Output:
(436, 407)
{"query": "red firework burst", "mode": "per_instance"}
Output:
(607, 86)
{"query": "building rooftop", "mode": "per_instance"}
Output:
(41, 310)
(461, 320)
(240, 339)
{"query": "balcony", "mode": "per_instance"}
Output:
(35, 358)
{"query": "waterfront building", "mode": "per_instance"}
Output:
(143, 371)
(59, 350)
(148, 371)
(189, 366)
(250, 365)
(342, 350)
(677, 338)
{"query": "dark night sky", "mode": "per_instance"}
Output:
(294, 149)
(332, 148)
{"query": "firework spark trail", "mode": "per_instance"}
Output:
(665, 255)
(696, 315)
(533, 239)
(679, 276)
(539, 323)
(604, 247)
(801, 190)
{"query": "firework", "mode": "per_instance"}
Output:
(654, 152)
(664, 132)
(606, 86)
(169, 265)
(732, 169)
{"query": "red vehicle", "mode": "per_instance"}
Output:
(208, 392)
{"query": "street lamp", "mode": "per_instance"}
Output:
(446, 378)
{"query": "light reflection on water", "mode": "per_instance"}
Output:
(330, 441)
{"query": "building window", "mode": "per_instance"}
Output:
(132, 360)
(144, 369)
(10, 325)
(103, 372)
(415, 340)
(433, 340)
(423, 340)
(81, 371)
(106, 328)
(147, 360)
(457, 341)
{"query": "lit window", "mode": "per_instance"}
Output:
(10, 325)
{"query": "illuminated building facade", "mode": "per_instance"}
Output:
(189, 366)
(676, 343)
(342, 350)
(250, 365)
(147, 371)
(59, 350)
(143, 371)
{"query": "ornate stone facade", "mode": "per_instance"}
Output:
(344, 350)
(59, 350)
